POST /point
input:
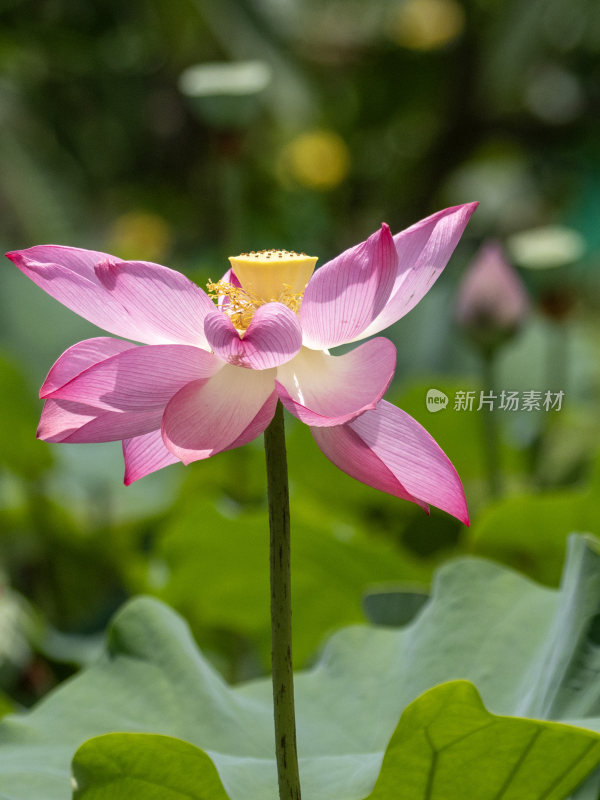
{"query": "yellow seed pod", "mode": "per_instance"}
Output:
(273, 274)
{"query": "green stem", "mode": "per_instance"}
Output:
(557, 356)
(490, 429)
(556, 375)
(281, 610)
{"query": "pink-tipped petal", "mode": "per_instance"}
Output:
(69, 275)
(74, 259)
(142, 378)
(206, 417)
(345, 295)
(273, 337)
(78, 423)
(423, 250)
(80, 357)
(166, 304)
(389, 450)
(145, 454)
(324, 390)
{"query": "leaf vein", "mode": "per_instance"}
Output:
(517, 765)
(559, 777)
(432, 768)
(464, 736)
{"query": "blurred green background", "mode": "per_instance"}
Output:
(185, 131)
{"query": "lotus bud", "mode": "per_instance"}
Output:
(492, 301)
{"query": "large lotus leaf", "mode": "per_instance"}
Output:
(446, 746)
(530, 650)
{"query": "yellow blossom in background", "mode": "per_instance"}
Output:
(426, 24)
(140, 235)
(317, 159)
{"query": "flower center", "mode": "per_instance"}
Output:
(266, 276)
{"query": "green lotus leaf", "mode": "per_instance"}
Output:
(119, 766)
(531, 652)
(448, 746)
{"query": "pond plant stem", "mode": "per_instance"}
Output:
(281, 609)
(491, 439)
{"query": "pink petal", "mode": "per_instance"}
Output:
(75, 259)
(258, 425)
(78, 358)
(321, 389)
(61, 418)
(68, 274)
(344, 448)
(388, 449)
(206, 417)
(166, 304)
(423, 250)
(273, 337)
(345, 295)
(145, 454)
(75, 423)
(142, 378)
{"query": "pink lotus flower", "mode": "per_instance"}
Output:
(208, 377)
